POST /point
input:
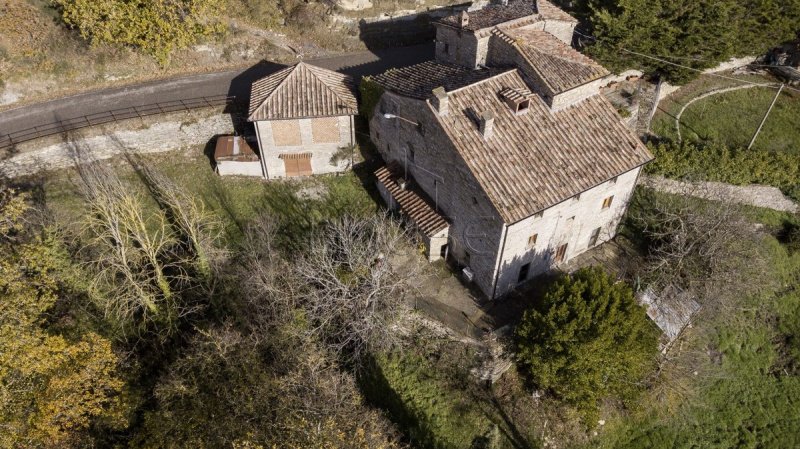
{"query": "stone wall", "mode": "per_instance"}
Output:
(437, 168)
(152, 135)
(304, 136)
(456, 47)
(577, 94)
(554, 228)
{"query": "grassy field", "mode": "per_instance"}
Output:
(297, 204)
(732, 118)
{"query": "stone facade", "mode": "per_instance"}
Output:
(478, 238)
(323, 137)
(502, 53)
(428, 156)
(572, 222)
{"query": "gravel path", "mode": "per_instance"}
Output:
(752, 195)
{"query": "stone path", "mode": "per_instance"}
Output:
(751, 195)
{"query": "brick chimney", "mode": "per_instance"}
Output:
(463, 19)
(486, 124)
(441, 101)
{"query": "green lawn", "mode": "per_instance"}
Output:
(732, 118)
(298, 205)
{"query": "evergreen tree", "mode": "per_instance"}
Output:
(588, 340)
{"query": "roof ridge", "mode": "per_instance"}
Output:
(313, 71)
(559, 42)
(484, 80)
(290, 72)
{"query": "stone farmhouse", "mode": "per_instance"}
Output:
(501, 152)
(303, 116)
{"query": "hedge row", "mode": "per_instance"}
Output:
(730, 165)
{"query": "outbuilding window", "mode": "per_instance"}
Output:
(607, 202)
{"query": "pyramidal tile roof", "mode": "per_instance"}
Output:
(302, 91)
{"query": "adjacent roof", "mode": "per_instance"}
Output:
(536, 160)
(417, 81)
(233, 148)
(495, 14)
(302, 91)
(413, 204)
(559, 65)
(549, 11)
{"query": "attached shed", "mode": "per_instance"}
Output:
(234, 156)
(420, 215)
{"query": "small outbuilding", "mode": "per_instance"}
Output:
(234, 156)
(303, 117)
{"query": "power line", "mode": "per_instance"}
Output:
(660, 59)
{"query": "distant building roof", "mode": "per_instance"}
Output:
(535, 160)
(302, 91)
(233, 148)
(559, 65)
(417, 81)
(495, 14)
(413, 204)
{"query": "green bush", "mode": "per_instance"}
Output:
(157, 28)
(370, 95)
(731, 165)
(588, 340)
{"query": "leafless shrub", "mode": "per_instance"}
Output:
(344, 291)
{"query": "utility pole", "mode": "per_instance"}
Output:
(774, 100)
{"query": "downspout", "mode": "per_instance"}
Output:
(261, 152)
(499, 261)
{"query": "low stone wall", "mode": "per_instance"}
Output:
(112, 140)
(751, 195)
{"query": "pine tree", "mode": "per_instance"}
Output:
(588, 340)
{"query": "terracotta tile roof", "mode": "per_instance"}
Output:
(302, 91)
(559, 65)
(233, 148)
(549, 11)
(495, 15)
(538, 159)
(416, 208)
(417, 81)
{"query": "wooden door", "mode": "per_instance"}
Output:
(297, 164)
(561, 252)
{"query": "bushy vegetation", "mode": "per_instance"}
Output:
(155, 27)
(370, 93)
(731, 381)
(717, 162)
(698, 34)
(588, 340)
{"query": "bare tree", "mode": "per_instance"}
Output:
(345, 288)
(199, 230)
(141, 271)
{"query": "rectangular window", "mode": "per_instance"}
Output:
(576, 197)
(446, 48)
(593, 238)
(523, 273)
(286, 133)
(613, 180)
(607, 202)
(561, 253)
(410, 152)
(539, 214)
(532, 240)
